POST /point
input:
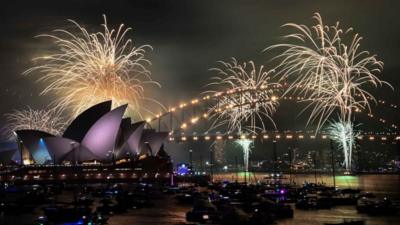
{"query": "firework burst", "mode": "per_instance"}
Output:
(330, 74)
(89, 68)
(47, 120)
(245, 144)
(249, 100)
(344, 135)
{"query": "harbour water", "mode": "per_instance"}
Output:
(166, 211)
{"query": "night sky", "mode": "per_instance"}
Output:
(188, 38)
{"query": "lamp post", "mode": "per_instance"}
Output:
(201, 164)
(333, 163)
(290, 165)
(315, 166)
(211, 165)
(191, 159)
(275, 155)
(236, 169)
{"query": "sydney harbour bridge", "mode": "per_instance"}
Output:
(329, 82)
(189, 121)
(194, 121)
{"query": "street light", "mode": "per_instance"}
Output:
(191, 159)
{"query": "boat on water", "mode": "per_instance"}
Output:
(348, 222)
(373, 206)
(93, 219)
(64, 213)
(274, 176)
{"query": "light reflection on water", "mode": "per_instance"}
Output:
(387, 184)
(167, 212)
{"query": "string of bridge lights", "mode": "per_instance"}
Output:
(206, 98)
(204, 115)
(387, 137)
(280, 136)
(276, 88)
(288, 135)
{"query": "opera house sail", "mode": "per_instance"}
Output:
(99, 134)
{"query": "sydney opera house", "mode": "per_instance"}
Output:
(99, 137)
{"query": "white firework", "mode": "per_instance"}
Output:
(47, 120)
(344, 135)
(89, 68)
(248, 99)
(245, 144)
(331, 73)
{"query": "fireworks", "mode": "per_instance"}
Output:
(47, 120)
(89, 68)
(331, 75)
(245, 144)
(344, 135)
(328, 73)
(249, 100)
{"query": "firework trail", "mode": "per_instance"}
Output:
(330, 71)
(47, 120)
(245, 144)
(344, 135)
(89, 68)
(249, 101)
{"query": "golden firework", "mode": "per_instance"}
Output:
(89, 68)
